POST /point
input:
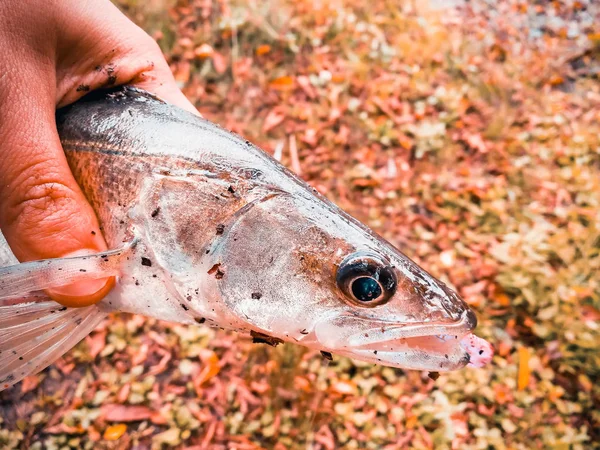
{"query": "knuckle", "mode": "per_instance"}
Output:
(40, 206)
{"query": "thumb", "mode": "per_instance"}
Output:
(43, 212)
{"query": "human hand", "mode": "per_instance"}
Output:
(53, 53)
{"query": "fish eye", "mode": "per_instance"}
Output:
(366, 289)
(366, 279)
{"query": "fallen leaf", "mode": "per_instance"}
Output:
(204, 51)
(282, 83)
(501, 298)
(344, 387)
(30, 383)
(96, 342)
(263, 49)
(114, 432)
(62, 428)
(125, 413)
(219, 63)
(524, 370)
(211, 368)
(171, 437)
(273, 119)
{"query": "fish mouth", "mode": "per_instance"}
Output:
(436, 346)
(382, 331)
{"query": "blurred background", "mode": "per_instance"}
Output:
(468, 135)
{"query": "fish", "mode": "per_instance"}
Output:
(205, 228)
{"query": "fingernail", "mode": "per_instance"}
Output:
(82, 293)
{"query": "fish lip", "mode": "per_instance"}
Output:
(395, 331)
(439, 342)
(430, 345)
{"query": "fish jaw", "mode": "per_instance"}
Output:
(435, 346)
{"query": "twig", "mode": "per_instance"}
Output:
(294, 155)
(278, 153)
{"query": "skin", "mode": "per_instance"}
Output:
(50, 59)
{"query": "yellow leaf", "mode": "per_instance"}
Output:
(114, 432)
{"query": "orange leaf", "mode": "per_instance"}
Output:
(263, 49)
(211, 368)
(528, 322)
(555, 393)
(29, 383)
(96, 342)
(555, 80)
(502, 394)
(158, 419)
(524, 370)
(585, 382)
(583, 291)
(411, 422)
(114, 432)
(302, 384)
(405, 142)
(282, 83)
(504, 348)
(501, 298)
(588, 312)
(464, 171)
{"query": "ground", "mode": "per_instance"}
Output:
(469, 138)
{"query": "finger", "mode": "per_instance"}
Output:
(43, 213)
(120, 53)
(144, 67)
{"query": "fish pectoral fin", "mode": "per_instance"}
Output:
(22, 279)
(35, 331)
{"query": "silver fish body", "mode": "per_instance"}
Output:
(217, 232)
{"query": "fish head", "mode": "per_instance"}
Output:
(297, 268)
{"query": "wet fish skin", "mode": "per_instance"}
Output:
(280, 239)
(215, 231)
